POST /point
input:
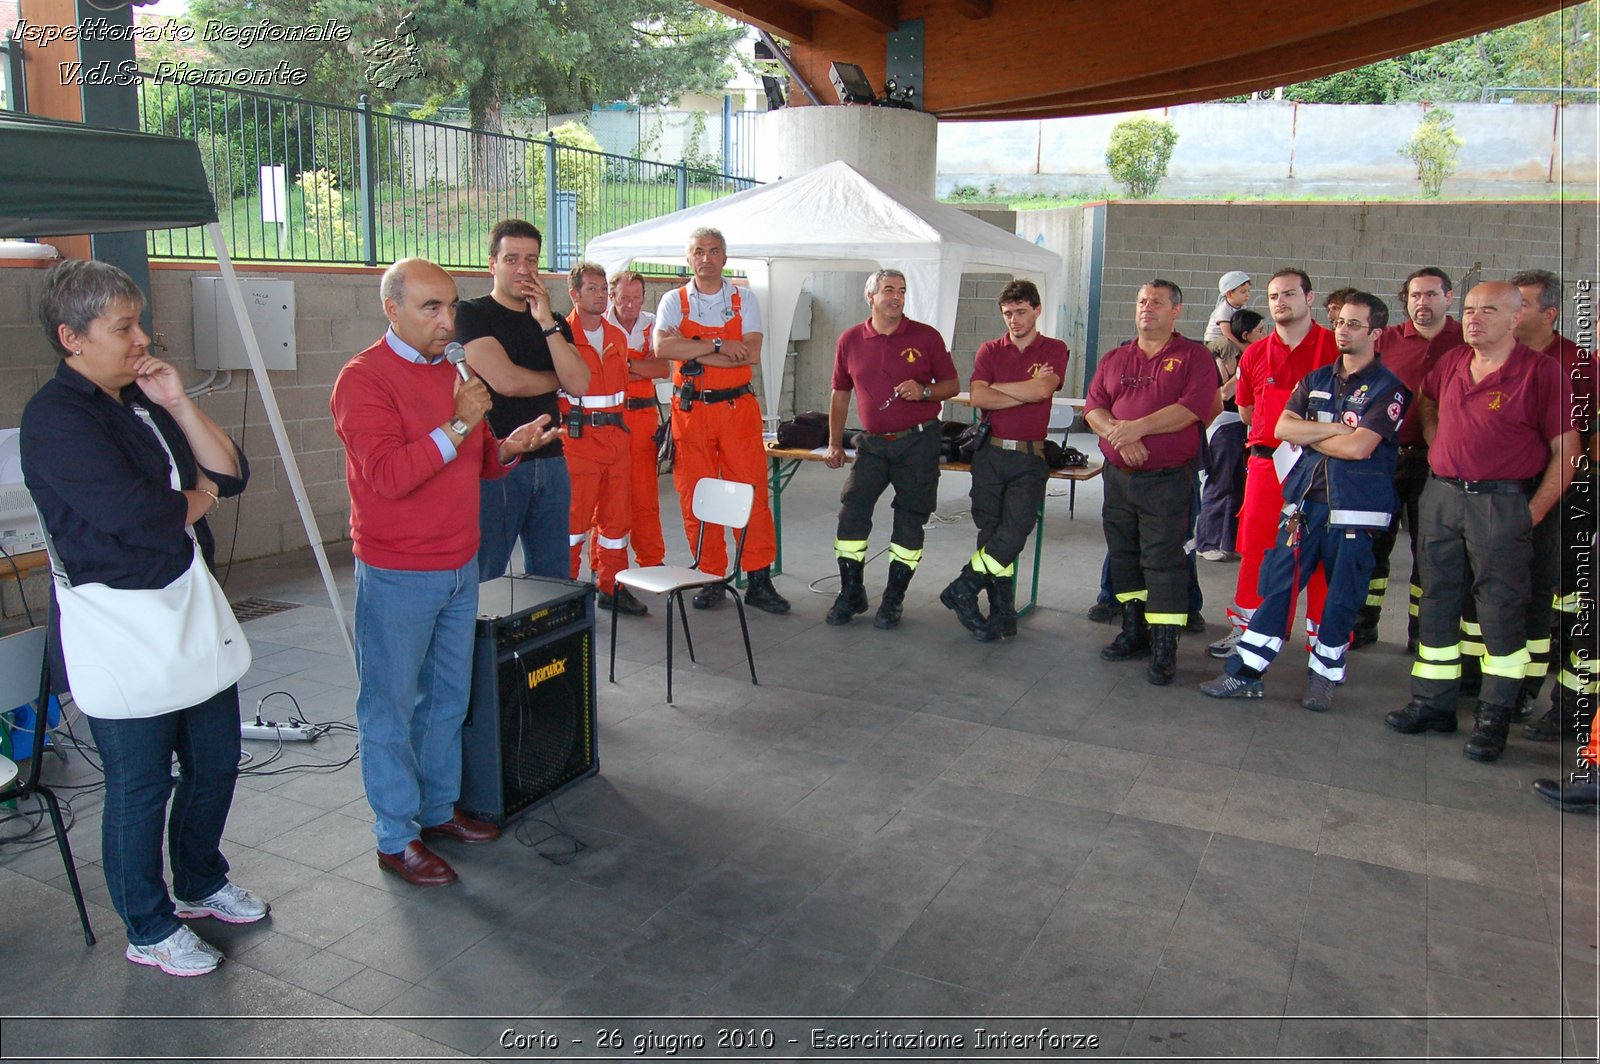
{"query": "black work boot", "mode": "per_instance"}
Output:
(1134, 639)
(894, 596)
(1558, 720)
(1365, 632)
(1164, 654)
(961, 595)
(1490, 723)
(852, 593)
(762, 595)
(1003, 607)
(1419, 716)
(710, 595)
(1527, 699)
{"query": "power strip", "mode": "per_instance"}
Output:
(274, 732)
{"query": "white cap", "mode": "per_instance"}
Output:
(1231, 280)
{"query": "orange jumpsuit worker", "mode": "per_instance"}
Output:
(712, 331)
(597, 442)
(644, 369)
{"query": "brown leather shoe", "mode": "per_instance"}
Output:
(463, 828)
(418, 865)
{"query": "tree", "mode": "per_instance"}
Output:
(1434, 147)
(1138, 153)
(560, 54)
(1558, 50)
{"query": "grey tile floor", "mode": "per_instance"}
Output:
(906, 828)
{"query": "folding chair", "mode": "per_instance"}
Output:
(25, 678)
(716, 502)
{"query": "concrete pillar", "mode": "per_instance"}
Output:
(883, 142)
(887, 143)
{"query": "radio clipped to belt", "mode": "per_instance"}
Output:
(690, 369)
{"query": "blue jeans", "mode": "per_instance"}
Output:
(531, 503)
(414, 657)
(138, 759)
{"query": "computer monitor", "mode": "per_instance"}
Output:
(19, 524)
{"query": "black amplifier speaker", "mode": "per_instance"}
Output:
(530, 728)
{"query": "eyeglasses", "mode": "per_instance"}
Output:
(1351, 322)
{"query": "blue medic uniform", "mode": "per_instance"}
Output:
(1333, 510)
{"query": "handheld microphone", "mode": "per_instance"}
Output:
(456, 355)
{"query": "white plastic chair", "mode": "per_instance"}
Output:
(25, 680)
(716, 502)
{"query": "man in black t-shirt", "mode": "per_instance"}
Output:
(521, 349)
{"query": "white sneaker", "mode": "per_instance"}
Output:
(1214, 555)
(232, 905)
(1224, 646)
(181, 953)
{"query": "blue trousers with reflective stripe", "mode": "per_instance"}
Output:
(1345, 555)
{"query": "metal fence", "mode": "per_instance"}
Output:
(299, 181)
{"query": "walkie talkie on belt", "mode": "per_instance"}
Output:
(690, 369)
(575, 423)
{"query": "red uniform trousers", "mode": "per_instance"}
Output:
(598, 464)
(723, 440)
(648, 546)
(1258, 532)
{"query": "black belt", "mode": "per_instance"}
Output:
(912, 431)
(1035, 447)
(642, 403)
(1492, 487)
(600, 419)
(723, 395)
(1260, 450)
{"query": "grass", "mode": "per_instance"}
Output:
(448, 225)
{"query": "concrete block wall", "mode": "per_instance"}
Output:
(1369, 245)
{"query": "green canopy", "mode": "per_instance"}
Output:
(62, 178)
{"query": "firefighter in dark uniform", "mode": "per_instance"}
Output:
(1145, 400)
(901, 373)
(1340, 497)
(1577, 672)
(1498, 418)
(1013, 381)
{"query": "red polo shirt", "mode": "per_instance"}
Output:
(1000, 362)
(1411, 357)
(1268, 372)
(1577, 369)
(1129, 384)
(871, 363)
(1499, 428)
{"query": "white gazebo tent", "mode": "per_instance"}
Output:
(836, 218)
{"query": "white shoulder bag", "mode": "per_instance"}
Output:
(142, 653)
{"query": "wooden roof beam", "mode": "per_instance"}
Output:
(974, 9)
(778, 17)
(880, 15)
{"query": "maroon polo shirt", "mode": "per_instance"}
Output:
(1411, 357)
(871, 363)
(1269, 370)
(1501, 427)
(1000, 362)
(1577, 369)
(1130, 385)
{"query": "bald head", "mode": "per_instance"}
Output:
(1492, 311)
(419, 299)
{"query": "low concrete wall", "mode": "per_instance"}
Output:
(1282, 149)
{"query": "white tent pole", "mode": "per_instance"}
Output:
(269, 401)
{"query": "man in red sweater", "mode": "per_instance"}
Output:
(415, 448)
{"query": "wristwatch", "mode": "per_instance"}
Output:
(927, 392)
(459, 427)
(716, 345)
(555, 327)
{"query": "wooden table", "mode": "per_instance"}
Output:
(784, 462)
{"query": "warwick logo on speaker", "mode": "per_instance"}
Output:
(538, 676)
